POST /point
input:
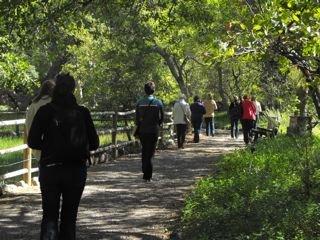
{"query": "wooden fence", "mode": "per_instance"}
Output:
(115, 123)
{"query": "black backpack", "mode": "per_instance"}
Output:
(235, 111)
(69, 135)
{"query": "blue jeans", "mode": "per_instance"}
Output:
(55, 182)
(196, 130)
(209, 126)
(234, 128)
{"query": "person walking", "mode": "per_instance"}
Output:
(149, 117)
(258, 110)
(181, 115)
(234, 113)
(64, 132)
(42, 98)
(248, 117)
(210, 106)
(197, 112)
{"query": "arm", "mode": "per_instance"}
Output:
(92, 133)
(215, 107)
(29, 118)
(37, 129)
(203, 109)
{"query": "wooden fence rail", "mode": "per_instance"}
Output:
(127, 119)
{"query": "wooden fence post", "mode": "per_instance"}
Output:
(114, 134)
(17, 129)
(127, 125)
(27, 160)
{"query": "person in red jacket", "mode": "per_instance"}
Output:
(248, 117)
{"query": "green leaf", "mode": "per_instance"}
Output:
(257, 27)
(243, 26)
(295, 18)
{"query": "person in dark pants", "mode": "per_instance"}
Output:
(149, 117)
(210, 106)
(181, 113)
(64, 132)
(248, 117)
(234, 113)
(197, 112)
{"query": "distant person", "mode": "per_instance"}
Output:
(210, 106)
(64, 132)
(197, 112)
(42, 98)
(258, 110)
(248, 117)
(181, 115)
(235, 113)
(149, 117)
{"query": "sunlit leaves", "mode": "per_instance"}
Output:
(17, 72)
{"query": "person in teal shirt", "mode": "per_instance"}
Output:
(149, 117)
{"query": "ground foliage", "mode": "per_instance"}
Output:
(272, 193)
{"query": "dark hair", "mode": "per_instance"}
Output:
(65, 85)
(196, 98)
(45, 89)
(149, 88)
(245, 97)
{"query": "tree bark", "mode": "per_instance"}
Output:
(55, 68)
(221, 88)
(280, 48)
(175, 67)
(303, 98)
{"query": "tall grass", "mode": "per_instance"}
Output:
(272, 193)
(8, 142)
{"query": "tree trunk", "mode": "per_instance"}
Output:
(303, 98)
(280, 48)
(55, 68)
(175, 68)
(221, 89)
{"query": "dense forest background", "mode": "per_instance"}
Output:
(266, 48)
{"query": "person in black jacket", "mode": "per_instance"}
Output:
(149, 117)
(235, 112)
(64, 132)
(197, 111)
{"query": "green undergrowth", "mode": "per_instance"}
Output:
(8, 142)
(221, 120)
(272, 193)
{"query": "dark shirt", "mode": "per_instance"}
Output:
(235, 110)
(197, 111)
(149, 114)
(39, 135)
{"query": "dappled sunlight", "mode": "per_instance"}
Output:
(117, 203)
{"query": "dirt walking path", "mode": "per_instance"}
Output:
(117, 204)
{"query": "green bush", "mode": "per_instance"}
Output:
(272, 193)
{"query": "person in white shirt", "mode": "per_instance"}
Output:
(181, 116)
(42, 98)
(258, 110)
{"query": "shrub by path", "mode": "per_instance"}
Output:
(117, 203)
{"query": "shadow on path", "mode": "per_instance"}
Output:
(117, 203)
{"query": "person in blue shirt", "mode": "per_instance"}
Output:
(149, 117)
(197, 111)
